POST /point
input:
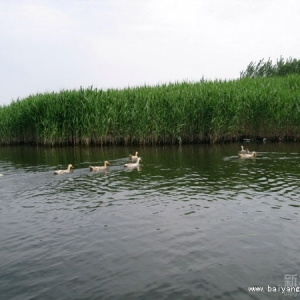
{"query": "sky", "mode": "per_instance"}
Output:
(54, 45)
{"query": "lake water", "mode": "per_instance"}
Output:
(194, 222)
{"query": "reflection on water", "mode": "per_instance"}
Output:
(190, 222)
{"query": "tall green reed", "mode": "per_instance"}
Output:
(200, 112)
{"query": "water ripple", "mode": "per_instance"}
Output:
(191, 223)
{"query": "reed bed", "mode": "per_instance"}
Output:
(200, 112)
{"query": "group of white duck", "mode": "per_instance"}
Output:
(134, 164)
(135, 161)
(245, 153)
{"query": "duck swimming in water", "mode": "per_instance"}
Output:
(133, 165)
(98, 168)
(133, 157)
(58, 172)
(248, 155)
(242, 151)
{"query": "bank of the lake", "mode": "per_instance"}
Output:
(199, 112)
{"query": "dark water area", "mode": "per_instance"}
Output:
(193, 222)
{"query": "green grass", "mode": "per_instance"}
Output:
(201, 112)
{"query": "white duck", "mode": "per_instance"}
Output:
(1, 175)
(98, 168)
(58, 172)
(248, 155)
(243, 151)
(133, 157)
(133, 165)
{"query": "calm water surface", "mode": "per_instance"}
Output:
(194, 222)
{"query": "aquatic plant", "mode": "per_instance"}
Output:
(269, 69)
(199, 112)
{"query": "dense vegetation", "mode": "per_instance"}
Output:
(268, 69)
(206, 111)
